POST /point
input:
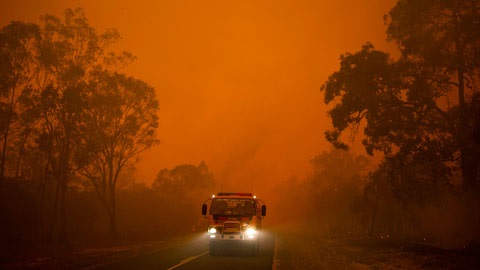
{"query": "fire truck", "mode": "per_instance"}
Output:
(234, 221)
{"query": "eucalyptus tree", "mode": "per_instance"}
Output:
(119, 121)
(442, 38)
(420, 110)
(188, 182)
(333, 187)
(70, 48)
(18, 52)
(419, 107)
(182, 179)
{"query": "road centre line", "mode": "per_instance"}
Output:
(184, 261)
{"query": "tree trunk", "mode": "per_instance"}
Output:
(113, 215)
(43, 188)
(53, 220)
(468, 158)
(5, 138)
(467, 147)
(4, 156)
(375, 210)
(21, 151)
(469, 170)
(62, 234)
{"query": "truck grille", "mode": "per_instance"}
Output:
(231, 226)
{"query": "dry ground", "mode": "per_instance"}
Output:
(78, 258)
(303, 251)
(294, 250)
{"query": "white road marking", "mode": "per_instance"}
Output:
(184, 261)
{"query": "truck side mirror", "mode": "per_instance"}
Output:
(264, 210)
(204, 209)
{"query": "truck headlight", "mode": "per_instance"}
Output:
(212, 230)
(251, 232)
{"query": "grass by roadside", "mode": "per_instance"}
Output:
(75, 258)
(304, 250)
(85, 257)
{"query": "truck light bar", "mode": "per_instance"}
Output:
(234, 194)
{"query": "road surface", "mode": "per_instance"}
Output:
(192, 253)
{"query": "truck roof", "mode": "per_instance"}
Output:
(236, 194)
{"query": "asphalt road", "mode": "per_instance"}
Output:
(192, 253)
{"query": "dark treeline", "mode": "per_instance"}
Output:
(421, 113)
(345, 198)
(71, 126)
(144, 213)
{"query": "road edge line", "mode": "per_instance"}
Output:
(189, 259)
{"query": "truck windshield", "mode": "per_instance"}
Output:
(230, 206)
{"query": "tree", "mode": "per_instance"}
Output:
(58, 82)
(336, 182)
(178, 190)
(443, 38)
(118, 122)
(377, 205)
(18, 48)
(69, 50)
(337, 167)
(183, 178)
(405, 104)
(420, 110)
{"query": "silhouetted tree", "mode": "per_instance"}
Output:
(442, 39)
(404, 104)
(397, 189)
(420, 110)
(181, 190)
(69, 50)
(475, 108)
(119, 122)
(336, 167)
(65, 109)
(338, 178)
(183, 178)
(18, 52)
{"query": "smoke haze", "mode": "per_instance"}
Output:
(238, 82)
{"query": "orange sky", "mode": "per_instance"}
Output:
(237, 81)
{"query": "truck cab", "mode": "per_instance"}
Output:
(234, 221)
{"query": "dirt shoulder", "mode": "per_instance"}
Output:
(76, 258)
(303, 251)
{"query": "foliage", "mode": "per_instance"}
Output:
(443, 38)
(68, 51)
(70, 111)
(336, 182)
(324, 200)
(438, 33)
(18, 43)
(419, 111)
(119, 121)
(183, 189)
(183, 179)
(405, 104)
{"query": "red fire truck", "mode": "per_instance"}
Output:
(234, 220)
